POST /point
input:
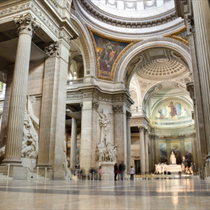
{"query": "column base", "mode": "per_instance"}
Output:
(48, 167)
(12, 162)
(15, 172)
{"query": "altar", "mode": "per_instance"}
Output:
(172, 168)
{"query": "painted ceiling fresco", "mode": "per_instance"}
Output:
(183, 35)
(172, 112)
(107, 53)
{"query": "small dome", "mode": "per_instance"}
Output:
(162, 68)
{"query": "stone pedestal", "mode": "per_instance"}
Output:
(29, 163)
(107, 170)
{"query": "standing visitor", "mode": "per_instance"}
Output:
(132, 172)
(116, 171)
(122, 169)
(99, 173)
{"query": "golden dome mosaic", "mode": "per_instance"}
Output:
(162, 68)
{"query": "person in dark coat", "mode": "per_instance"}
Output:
(122, 169)
(116, 171)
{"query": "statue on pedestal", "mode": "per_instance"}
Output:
(173, 158)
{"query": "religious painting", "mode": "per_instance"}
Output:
(176, 149)
(107, 53)
(188, 151)
(172, 110)
(183, 35)
(163, 152)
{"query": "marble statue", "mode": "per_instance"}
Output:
(66, 170)
(30, 135)
(105, 151)
(2, 151)
(30, 139)
(173, 158)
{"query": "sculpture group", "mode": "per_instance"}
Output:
(105, 151)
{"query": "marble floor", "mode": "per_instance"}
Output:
(141, 194)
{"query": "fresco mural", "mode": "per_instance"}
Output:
(183, 35)
(163, 152)
(175, 147)
(188, 151)
(173, 110)
(107, 52)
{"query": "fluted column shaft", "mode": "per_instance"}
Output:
(146, 152)
(182, 145)
(73, 143)
(142, 150)
(128, 142)
(19, 91)
(201, 12)
(168, 148)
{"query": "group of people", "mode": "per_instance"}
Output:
(120, 171)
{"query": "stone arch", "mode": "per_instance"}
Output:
(172, 44)
(86, 46)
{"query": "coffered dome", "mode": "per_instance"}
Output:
(162, 68)
(134, 8)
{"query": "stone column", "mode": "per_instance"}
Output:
(14, 139)
(201, 11)
(152, 153)
(146, 151)
(53, 110)
(128, 115)
(142, 150)
(94, 138)
(195, 94)
(168, 148)
(6, 107)
(73, 143)
(120, 133)
(87, 132)
(182, 145)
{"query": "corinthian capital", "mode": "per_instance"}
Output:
(52, 49)
(190, 89)
(117, 109)
(27, 23)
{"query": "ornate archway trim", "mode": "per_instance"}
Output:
(138, 47)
